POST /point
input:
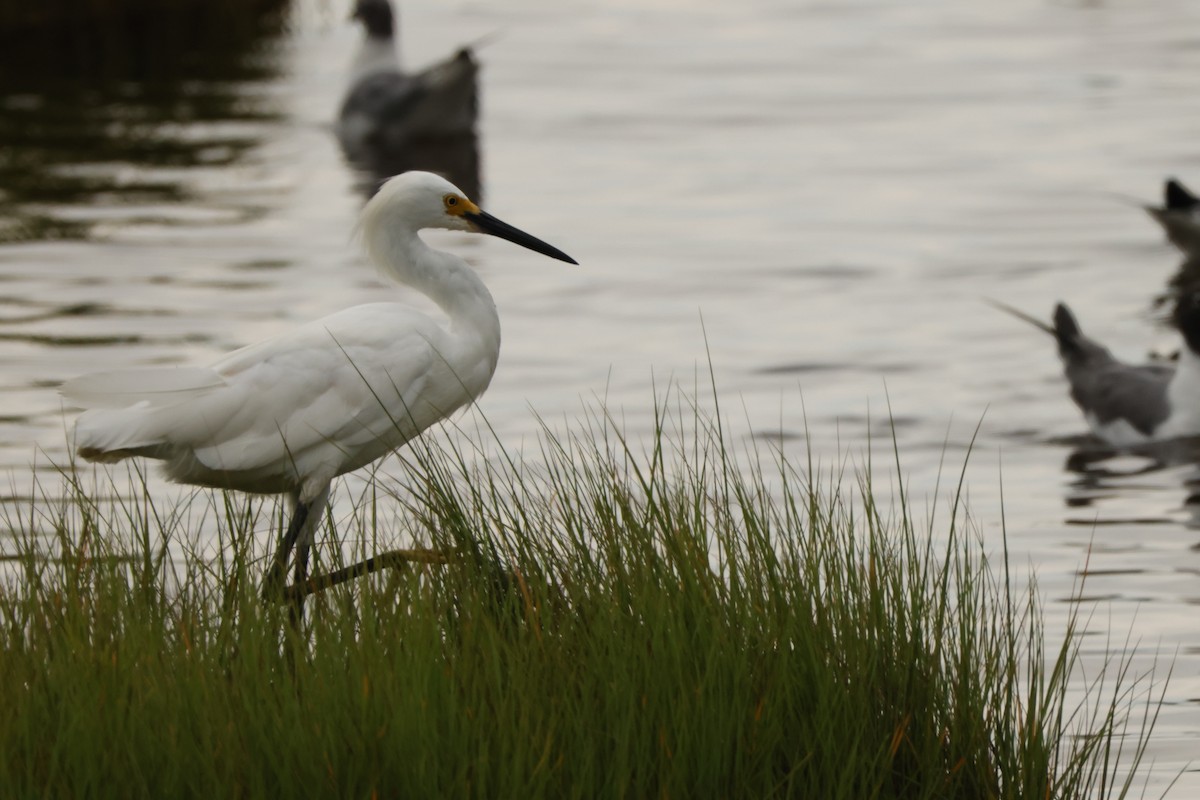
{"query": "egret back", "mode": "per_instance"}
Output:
(294, 412)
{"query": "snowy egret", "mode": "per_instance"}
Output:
(1179, 216)
(391, 120)
(1131, 404)
(289, 414)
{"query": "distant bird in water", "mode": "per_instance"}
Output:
(392, 121)
(1179, 216)
(289, 414)
(1130, 404)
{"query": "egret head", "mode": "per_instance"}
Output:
(424, 200)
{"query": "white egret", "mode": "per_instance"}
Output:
(289, 414)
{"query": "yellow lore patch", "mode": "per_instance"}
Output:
(456, 205)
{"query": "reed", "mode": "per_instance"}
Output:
(669, 619)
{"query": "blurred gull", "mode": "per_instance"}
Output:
(1130, 404)
(1179, 216)
(392, 121)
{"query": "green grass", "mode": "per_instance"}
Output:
(667, 620)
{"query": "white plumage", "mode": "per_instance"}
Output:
(289, 414)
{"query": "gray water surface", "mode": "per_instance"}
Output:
(811, 197)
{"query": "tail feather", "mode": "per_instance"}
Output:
(111, 435)
(154, 387)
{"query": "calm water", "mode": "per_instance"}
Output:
(814, 196)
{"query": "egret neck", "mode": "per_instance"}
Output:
(396, 248)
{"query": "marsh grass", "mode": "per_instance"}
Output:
(616, 620)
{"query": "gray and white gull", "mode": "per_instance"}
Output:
(1127, 404)
(389, 117)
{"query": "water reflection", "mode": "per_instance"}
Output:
(1089, 453)
(106, 114)
(1101, 473)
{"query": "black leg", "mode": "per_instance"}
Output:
(299, 578)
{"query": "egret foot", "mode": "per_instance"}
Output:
(392, 559)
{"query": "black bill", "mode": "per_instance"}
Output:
(486, 223)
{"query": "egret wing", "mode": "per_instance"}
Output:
(331, 395)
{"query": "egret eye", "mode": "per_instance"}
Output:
(451, 202)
